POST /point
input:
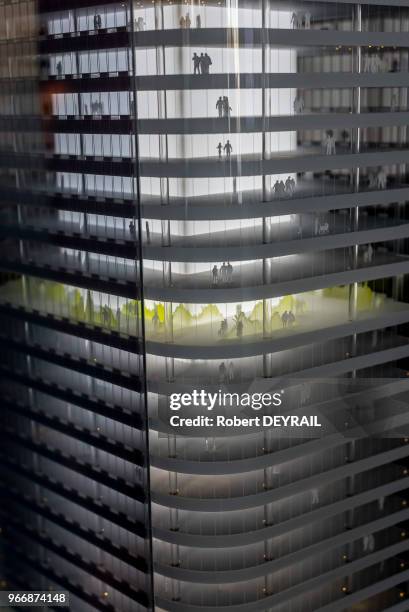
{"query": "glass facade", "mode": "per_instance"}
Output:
(74, 480)
(204, 195)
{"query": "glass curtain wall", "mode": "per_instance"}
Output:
(272, 157)
(74, 512)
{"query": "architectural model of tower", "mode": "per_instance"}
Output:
(204, 195)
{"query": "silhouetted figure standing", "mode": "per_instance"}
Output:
(105, 315)
(198, 21)
(132, 228)
(284, 318)
(368, 255)
(59, 68)
(330, 143)
(239, 328)
(206, 63)
(223, 273)
(140, 24)
(222, 372)
(315, 498)
(188, 21)
(220, 149)
(289, 186)
(148, 232)
(381, 179)
(226, 107)
(231, 372)
(215, 275)
(228, 149)
(220, 106)
(196, 63)
(305, 393)
(155, 320)
(229, 272)
(223, 328)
